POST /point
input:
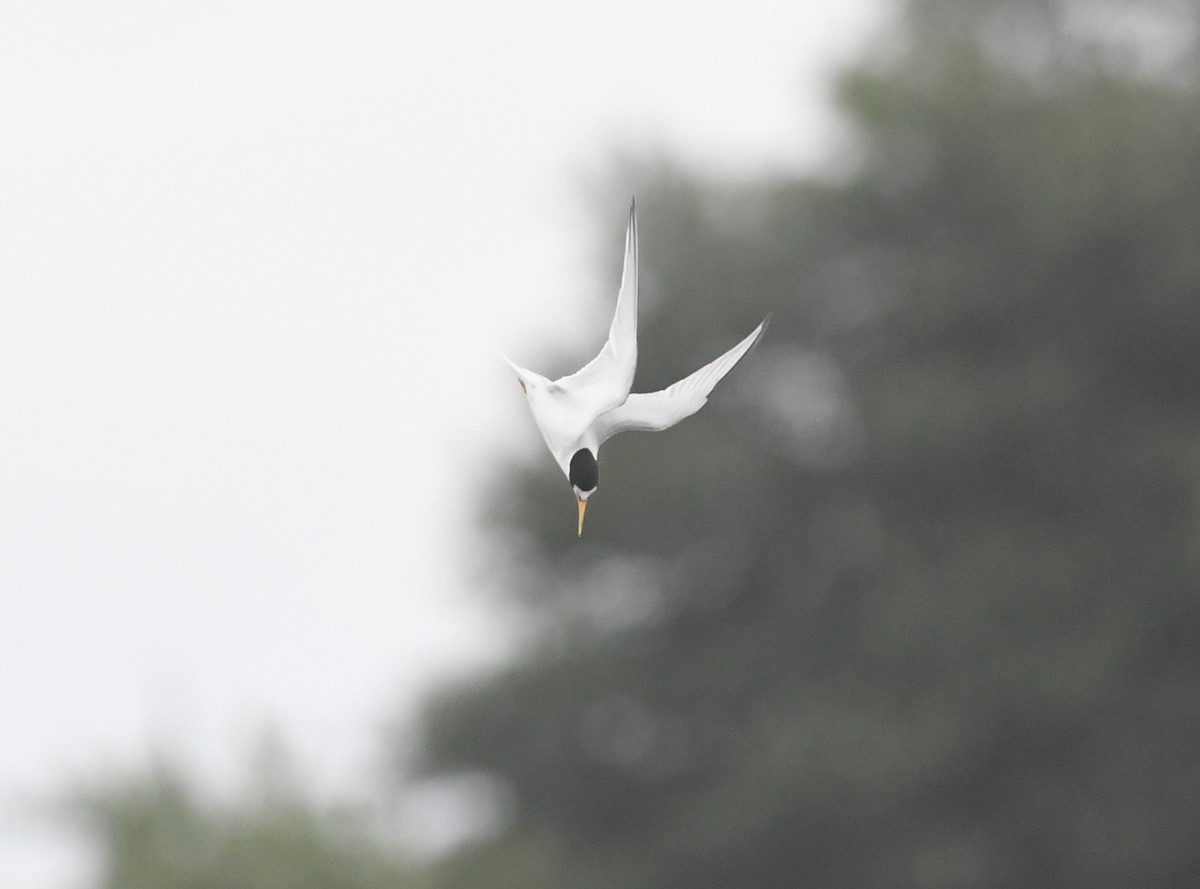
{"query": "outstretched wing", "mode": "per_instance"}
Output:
(605, 381)
(655, 411)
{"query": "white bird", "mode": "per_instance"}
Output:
(578, 413)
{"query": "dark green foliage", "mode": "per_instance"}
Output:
(928, 613)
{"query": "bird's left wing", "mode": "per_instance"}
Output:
(655, 411)
(604, 381)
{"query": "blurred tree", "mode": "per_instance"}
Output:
(154, 831)
(915, 601)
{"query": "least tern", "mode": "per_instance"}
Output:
(578, 413)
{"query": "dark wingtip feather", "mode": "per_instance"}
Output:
(762, 331)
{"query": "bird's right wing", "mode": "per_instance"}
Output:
(655, 411)
(605, 381)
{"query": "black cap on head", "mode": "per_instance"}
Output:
(584, 474)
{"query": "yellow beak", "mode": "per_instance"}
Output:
(582, 510)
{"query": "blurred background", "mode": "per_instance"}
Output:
(290, 594)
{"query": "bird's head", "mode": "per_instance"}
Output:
(584, 475)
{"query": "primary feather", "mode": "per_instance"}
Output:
(656, 411)
(604, 382)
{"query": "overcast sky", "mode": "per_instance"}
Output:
(256, 263)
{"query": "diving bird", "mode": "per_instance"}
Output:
(578, 413)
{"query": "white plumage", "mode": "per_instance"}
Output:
(579, 412)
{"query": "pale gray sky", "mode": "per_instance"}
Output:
(256, 263)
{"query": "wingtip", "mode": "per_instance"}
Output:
(761, 330)
(631, 235)
(757, 334)
(516, 368)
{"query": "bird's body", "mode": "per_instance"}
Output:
(577, 413)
